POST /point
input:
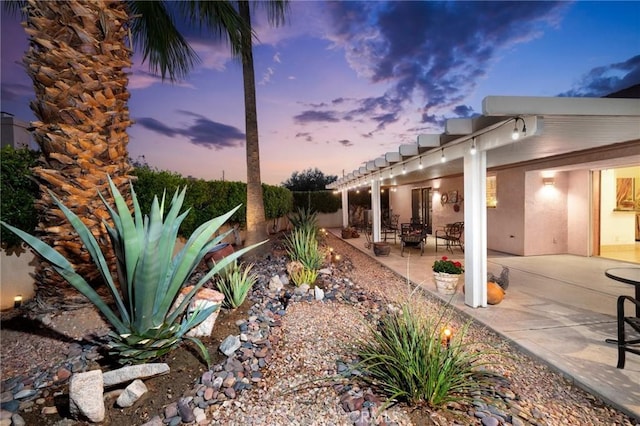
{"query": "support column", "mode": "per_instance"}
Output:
(375, 209)
(475, 229)
(345, 207)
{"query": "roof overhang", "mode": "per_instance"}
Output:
(554, 126)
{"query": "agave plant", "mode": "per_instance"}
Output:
(235, 283)
(305, 220)
(145, 324)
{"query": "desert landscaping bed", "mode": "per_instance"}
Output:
(296, 369)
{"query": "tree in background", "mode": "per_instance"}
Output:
(309, 180)
(200, 12)
(78, 56)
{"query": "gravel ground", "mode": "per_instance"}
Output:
(297, 387)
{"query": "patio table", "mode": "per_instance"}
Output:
(628, 275)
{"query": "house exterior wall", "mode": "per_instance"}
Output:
(578, 208)
(505, 222)
(545, 213)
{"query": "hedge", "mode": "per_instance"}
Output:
(18, 191)
(206, 199)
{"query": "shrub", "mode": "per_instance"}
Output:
(302, 246)
(304, 275)
(19, 191)
(146, 325)
(235, 282)
(408, 361)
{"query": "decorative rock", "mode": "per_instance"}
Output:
(24, 393)
(132, 372)
(302, 290)
(132, 393)
(5, 422)
(324, 271)
(49, 410)
(489, 421)
(230, 344)
(275, 284)
(4, 414)
(155, 421)
(171, 410)
(208, 394)
(17, 420)
(63, 374)
(6, 397)
(199, 414)
(204, 298)
(318, 292)
(185, 412)
(10, 406)
(85, 395)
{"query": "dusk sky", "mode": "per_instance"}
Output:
(345, 82)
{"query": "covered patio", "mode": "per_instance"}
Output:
(557, 308)
(525, 134)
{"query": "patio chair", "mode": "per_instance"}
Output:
(451, 236)
(391, 227)
(412, 237)
(625, 345)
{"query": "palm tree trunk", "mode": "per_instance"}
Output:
(77, 59)
(256, 223)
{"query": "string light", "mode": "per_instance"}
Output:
(420, 166)
(473, 149)
(442, 157)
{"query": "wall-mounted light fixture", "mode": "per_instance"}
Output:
(473, 149)
(548, 181)
(515, 135)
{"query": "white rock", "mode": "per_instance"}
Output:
(132, 393)
(230, 344)
(325, 271)
(275, 284)
(302, 290)
(132, 372)
(85, 395)
(284, 279)
(319, 293)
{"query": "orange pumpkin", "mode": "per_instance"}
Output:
(495, 293)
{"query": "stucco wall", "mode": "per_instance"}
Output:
(505, 222)
(445, 213)
(16, 277)
(578, 208)
(545, 225)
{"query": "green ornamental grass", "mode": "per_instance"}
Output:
(408, 360)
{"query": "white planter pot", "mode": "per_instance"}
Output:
(446, 283)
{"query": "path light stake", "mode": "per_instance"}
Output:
(17, 301)
(447, 336)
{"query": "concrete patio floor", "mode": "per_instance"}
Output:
(558, 309)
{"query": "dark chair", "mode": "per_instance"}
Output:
(412, 237)
(624, 345)
(391, 227)
(451, 236)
